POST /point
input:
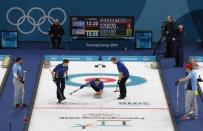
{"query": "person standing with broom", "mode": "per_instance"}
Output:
(59, 74)
(191, 108)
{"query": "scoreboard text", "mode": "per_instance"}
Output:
(101, 27)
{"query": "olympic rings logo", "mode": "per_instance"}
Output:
(35, 23)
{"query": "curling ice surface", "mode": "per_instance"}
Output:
(145, 100)
(2, 72)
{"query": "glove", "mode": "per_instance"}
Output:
(82, 86)
(176, 83)
(118, 82)
(199, 79)
(54, 78)
(66, 77)
(21, 80)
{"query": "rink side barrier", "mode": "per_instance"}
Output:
(131, 58)
(30, 109)
(70, 57)
(7, 72)
(172, 112)
(97, 58)
(199, 59)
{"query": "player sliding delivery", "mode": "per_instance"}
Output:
(97, 85)
(59, 74)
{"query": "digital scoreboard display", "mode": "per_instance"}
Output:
(101, 27)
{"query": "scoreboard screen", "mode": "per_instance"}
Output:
(101, 27)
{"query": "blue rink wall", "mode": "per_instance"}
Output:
(197, 58)
(148, 15)
(97, 58)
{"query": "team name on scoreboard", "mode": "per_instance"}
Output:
(102, 27)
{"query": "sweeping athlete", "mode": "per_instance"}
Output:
(59, 74)
(123, 77)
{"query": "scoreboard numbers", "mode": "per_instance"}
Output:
(101, 27)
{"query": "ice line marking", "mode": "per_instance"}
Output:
(99, 108)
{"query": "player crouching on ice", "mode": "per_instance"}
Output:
(191, 108)
(97, 85)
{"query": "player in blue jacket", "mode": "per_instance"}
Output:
(123, 77)
(191, 107)
(60, 73)
(96, 84)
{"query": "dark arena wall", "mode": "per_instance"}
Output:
(32, 18)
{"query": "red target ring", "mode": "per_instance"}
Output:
(105, 80)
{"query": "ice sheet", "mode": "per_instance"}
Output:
(145, 101)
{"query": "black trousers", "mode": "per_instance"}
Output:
(55, 42)
(95, 89)
(179, 54)
(169, 47)
(122, 87)
(60, 83)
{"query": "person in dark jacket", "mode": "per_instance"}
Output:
(56, 32)
(170, 28)
(179, 51)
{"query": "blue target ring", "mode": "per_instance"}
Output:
(135, 80)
